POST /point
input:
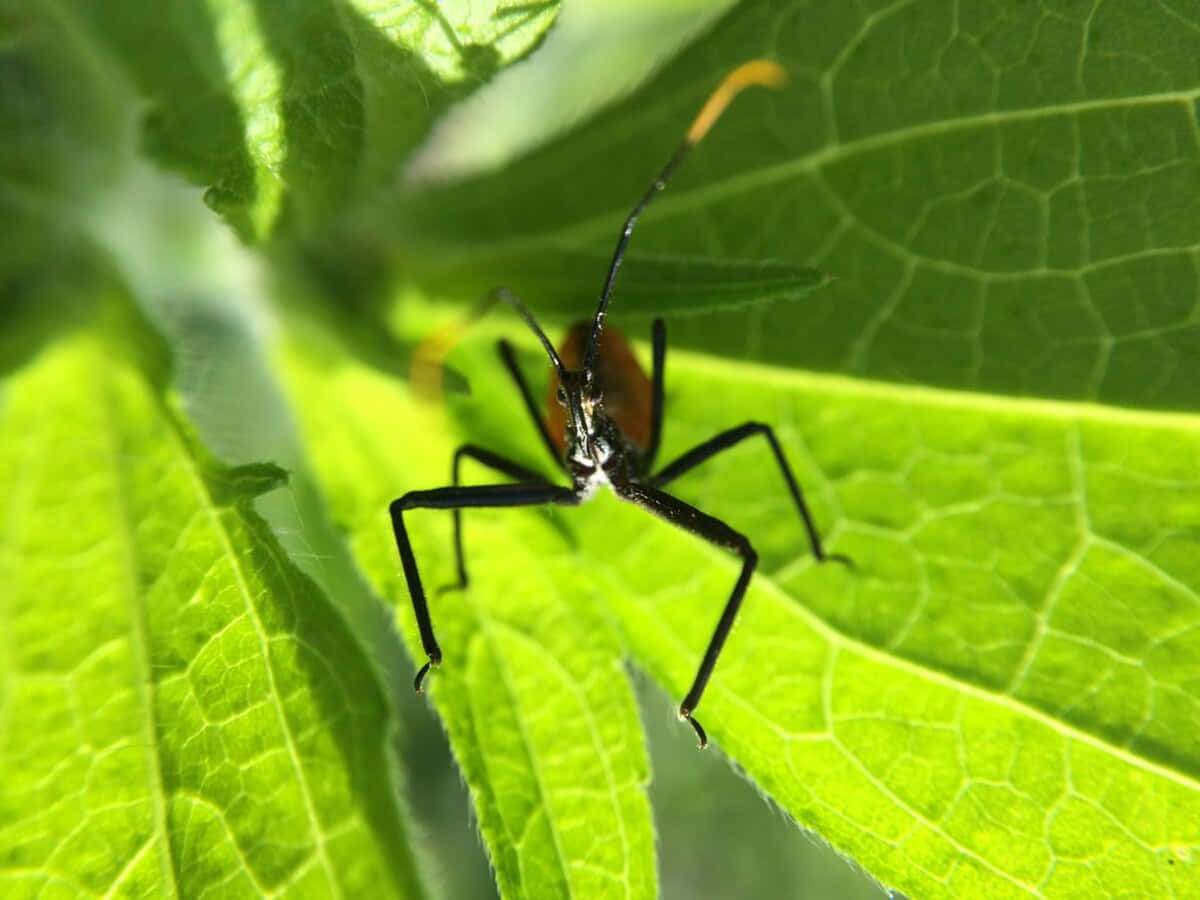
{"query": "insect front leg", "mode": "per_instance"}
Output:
(490, 495)
(716, 532)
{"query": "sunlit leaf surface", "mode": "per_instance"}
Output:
(998, 699)
(955, 262)
(181, 710)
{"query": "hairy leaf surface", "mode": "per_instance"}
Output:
(997, 700)
(181, 710)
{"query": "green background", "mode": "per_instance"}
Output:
(955, 261)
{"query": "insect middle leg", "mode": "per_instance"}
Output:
(509, 357)
(489, 495)
(501, 464)
(658, 339)
(716, 532)
(727, 439)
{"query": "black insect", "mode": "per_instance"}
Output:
(604, 430)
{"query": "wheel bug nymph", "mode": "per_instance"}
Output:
(603, 428)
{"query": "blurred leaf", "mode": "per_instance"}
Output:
(49, 160)
(1009, 198)
(290, 112)
(596, 53)
(182, 710)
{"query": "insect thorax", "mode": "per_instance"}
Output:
(605, 455)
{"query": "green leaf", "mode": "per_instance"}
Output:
(595, 54)
(1009, 198)
(44, 177)
(1000, 700)
(181, 710)
(290, 112)
(533, 693)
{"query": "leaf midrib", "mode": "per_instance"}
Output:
(673, 203)
(954, 400)
(614, 792)
(206, 504)
(544, 807)
(139, 635)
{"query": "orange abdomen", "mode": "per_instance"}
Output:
(623, 384)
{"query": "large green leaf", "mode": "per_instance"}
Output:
(1007, 194)
(1002, 698)
(290, 112)
(1000, 701)
(181, 710)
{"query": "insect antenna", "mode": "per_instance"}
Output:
(756, 72)
(504, 295)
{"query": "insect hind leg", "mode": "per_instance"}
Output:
(713, 530)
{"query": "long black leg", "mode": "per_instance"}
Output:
(457, 498)
(501, 464)
(658, 338)
(716, 532)
(727, 439)
(535, 413)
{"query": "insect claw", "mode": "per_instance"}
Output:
(686, 714)
(842, 558)
(417, 686)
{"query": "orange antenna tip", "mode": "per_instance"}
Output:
(425, 369)
(756, 72)
(429, 358)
